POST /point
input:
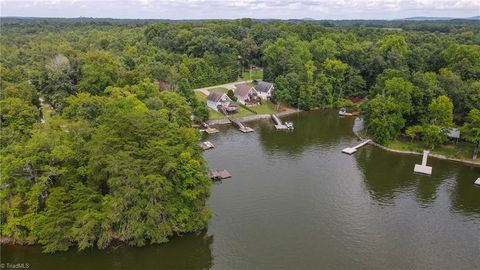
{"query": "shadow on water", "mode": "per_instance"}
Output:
(465, 198)
(388, 175)
(192, 251)
(314, 128)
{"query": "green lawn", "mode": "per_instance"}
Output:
(214, 115)
(267, 107)
(461, 150)
(219, 89)
(256, 74)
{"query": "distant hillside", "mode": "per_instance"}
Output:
(438, 18)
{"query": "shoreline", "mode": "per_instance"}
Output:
(249, 118)
(406, 152)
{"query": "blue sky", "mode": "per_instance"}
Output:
(232, 9)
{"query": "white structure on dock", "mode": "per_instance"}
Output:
(208, 129)
(218, 174)
(207, 145)
(351, 150)
(279, 125)
(477, 182)
(423, 168)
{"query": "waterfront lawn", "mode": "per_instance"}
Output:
(214, 115)
(256, 74)
(461, 150)
(267, 107)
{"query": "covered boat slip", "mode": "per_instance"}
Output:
(215, 174)
(206, 145)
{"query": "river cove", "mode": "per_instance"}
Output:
(296, 202)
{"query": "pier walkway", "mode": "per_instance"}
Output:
(351, 150)
(279, 125)
(240, 126)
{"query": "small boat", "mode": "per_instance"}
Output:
(343, 112)
(289, 125)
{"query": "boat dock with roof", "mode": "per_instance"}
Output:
(207, 145)
(215, 174)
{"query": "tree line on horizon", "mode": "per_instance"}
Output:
(97, 144)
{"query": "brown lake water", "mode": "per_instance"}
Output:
(296, 202)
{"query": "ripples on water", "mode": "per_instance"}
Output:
(296, 202)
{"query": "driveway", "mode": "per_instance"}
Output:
(231, 86)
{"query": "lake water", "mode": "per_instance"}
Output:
(296, 202)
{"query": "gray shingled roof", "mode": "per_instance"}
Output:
(263, 86)
(215, 96)
(241, 90)
(454, 133)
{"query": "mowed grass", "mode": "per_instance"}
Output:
(460, 150)
(219, 89)
(256, 74)
(214, 115)
(267, 107)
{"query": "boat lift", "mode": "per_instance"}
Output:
(279, 125)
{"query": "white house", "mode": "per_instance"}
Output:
(246, 94)
(220, 102)
(264, 89)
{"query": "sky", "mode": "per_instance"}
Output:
(233, 9)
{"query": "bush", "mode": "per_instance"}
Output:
(231, 95)
(344, 103)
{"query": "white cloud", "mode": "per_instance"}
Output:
(195, 9)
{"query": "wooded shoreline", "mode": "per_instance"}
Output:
(406, 152)
(249, 118)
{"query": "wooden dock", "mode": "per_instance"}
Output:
(423, 168)
(351, 150)
(206, 145)
(240, 126)
(218, 174)
(208, 129)
(279, 125)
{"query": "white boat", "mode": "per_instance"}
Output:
(289, 125)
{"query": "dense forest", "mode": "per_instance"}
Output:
(96, 115)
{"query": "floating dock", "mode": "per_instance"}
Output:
(207, 145)
(351, 150)
(279, 125)
(208, 129)
(423, 168)
(477, 182)
(240, 126)
(218, 174)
